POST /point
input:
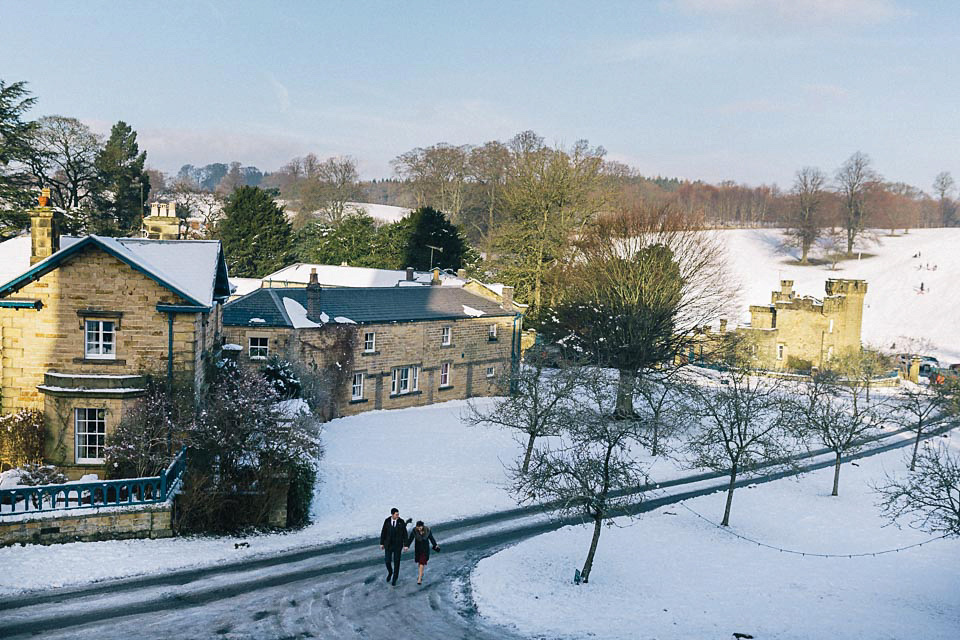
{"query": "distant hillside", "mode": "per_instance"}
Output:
(894, 306)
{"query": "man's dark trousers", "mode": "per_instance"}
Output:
(394, 556)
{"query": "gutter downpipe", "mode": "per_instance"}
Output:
(515, 351)
(169, 375)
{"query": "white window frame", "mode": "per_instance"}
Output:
(265, 348)
(356, 388)
(103, 346)
(369, 341)
(492, 332)
(491, 371)
(83, 418)
(404, 380)
(830, 330)
(444, 374)
(781, 350)
(445, 336)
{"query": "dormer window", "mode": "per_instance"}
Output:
(100, 338)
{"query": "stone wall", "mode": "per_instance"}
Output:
(33, 342)
(400, 344)
(153, 522)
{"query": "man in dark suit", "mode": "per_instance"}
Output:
(393, 542)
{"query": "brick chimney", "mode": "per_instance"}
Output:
(409, 274)
(313, 296)
(435, 278)
(506, 299)
(462, 274)
(44, 229)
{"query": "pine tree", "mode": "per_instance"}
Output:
(429, 227)
(352, 241)
(16, 148)
(120, 178)
(255, 233)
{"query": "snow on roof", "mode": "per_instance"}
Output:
(340, 276)
(231, 347)
(243, 286)
(298, 315)
(470, 311)
(188, 265)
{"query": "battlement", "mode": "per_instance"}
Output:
(840, 286)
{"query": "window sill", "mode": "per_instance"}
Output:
(445, 387)
(113, 361)
(369, 353)
(90, 461)
(258, 357)
(446, 346)
(408, 393)
(492, 340)
(357, 400)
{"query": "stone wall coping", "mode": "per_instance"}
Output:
(40, 516)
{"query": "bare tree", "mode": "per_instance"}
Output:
(589, 475)
(806, 211)
(853, 179)
(943, 186)
(438, 175)
(489, 167)
(929, 495)
(919, 409)
(330, 186)
(642, 283)
(744, 426)
(838, 415)
(663, 406)
(537, 400)
(67, 149)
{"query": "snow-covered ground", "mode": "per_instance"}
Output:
(671, 574)
(424, 461)
(894, 306)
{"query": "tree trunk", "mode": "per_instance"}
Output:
(805, 249)
(625, 387)
(836, 476)
(916, 447)
(588, 564)
(655, 444)
(726, 510)
(528, 454)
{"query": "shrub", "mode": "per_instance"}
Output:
(22, 436)
(149, 434)
(283, 377)
(34, 475)
(799, 364)
(300, 494)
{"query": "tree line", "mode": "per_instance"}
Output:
(100, 183)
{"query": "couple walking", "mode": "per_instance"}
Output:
(394, 541)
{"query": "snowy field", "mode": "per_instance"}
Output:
(423, 460)
(671, 575)
(894, 306)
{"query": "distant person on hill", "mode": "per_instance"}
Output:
(393, 542)
(423, 541)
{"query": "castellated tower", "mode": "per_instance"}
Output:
(802, 332)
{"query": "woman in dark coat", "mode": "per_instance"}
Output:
(422, 539)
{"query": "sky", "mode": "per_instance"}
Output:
(743, 90)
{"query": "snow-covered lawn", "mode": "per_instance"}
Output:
(424, 461)
(894, 306)
(671, 574)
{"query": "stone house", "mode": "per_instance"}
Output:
(83, 320)
(799, 332)
(395, 346)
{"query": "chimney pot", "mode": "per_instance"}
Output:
(313, 276)
(435, 278)
(462, 274)
(409, 274)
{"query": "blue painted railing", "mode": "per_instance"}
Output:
(99, 493)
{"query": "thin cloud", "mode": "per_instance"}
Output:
(829, 91)
(793, 12)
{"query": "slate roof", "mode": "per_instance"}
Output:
(366, 305)
(193, 269)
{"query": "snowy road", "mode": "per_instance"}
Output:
(334, 591)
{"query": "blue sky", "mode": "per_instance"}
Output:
(747, 90)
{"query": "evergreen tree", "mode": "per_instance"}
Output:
(16, 148)
(431, 227)
(255, 233)
(120, 178)
(351, 241)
